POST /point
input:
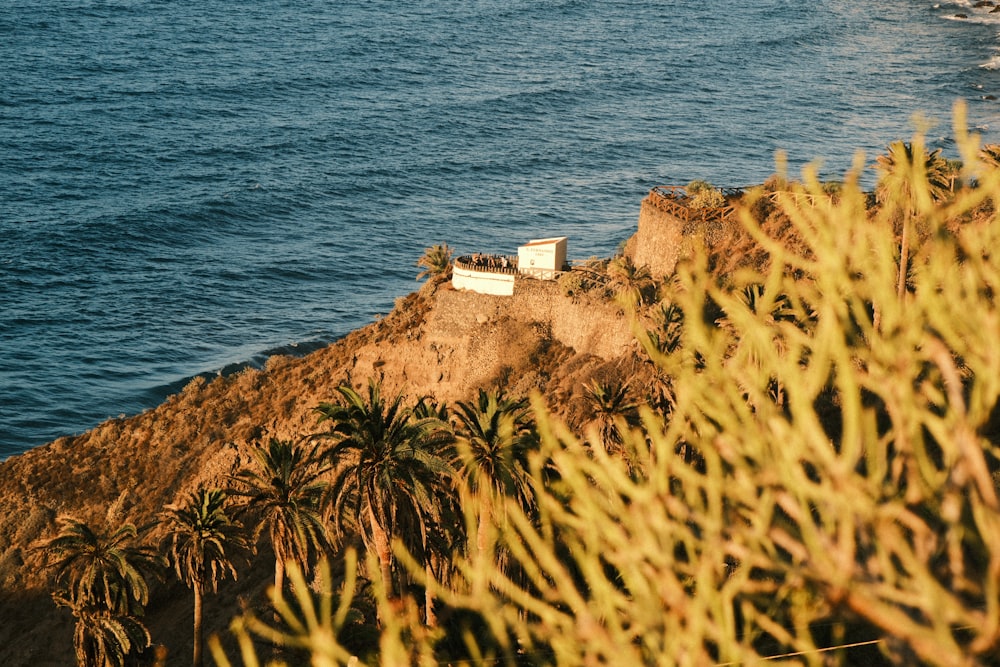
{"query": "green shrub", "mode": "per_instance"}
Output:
(703, 194)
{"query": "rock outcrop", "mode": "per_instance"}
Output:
(670, 231)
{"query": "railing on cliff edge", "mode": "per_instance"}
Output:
(674, 199)
(506, 264)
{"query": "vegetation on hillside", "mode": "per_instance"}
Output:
(809, 474)
(703, 194)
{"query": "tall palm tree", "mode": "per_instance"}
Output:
(913, 178)
(390, 471)
(495, 434)
(101, 578)
(284, 493)
(200, 545)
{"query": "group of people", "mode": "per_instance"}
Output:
(490, 262)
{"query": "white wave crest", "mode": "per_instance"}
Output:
(993, 63)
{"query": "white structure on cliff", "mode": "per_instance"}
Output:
(495, 274)
(542, 258)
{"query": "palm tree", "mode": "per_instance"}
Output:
(428, 407)
(913, 178)
(106, 570)
(611, 404)
(495, 435)
(104, 639)
(101, 578)
(632, 284)
(391, 470)
(436, 261)
(200, 544)
(284, 494)
(989, 155)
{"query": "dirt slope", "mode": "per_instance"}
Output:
(437, 341)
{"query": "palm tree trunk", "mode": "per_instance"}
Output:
(485, 516)
(196, 657)
(383, 550)
(279, 577)
(279, 587)
(430, 618)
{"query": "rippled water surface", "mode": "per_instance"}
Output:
(186, 187)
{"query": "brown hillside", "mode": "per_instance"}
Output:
(437, 341)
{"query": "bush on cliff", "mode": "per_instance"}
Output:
(704, 195)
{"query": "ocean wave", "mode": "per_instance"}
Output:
(992, 64)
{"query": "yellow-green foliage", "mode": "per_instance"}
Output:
(825, 477)
(838, 485)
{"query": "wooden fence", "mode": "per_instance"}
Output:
(674, 199)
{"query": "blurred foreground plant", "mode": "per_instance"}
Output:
(837, 500)
(307, 623)
(842, 490)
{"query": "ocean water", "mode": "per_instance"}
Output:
(188, 187)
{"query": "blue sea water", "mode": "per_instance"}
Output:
(186, 187)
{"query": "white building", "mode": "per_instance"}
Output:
(542, 258)
(495, 274)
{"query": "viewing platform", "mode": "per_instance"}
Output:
(486, 274)
(675, 200)
(542, 259)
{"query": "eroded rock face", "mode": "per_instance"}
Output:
(658, 243)
(437, 342)
(663, 239)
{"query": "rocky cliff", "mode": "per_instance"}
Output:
(437, 341)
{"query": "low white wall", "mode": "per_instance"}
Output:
(498, 284)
